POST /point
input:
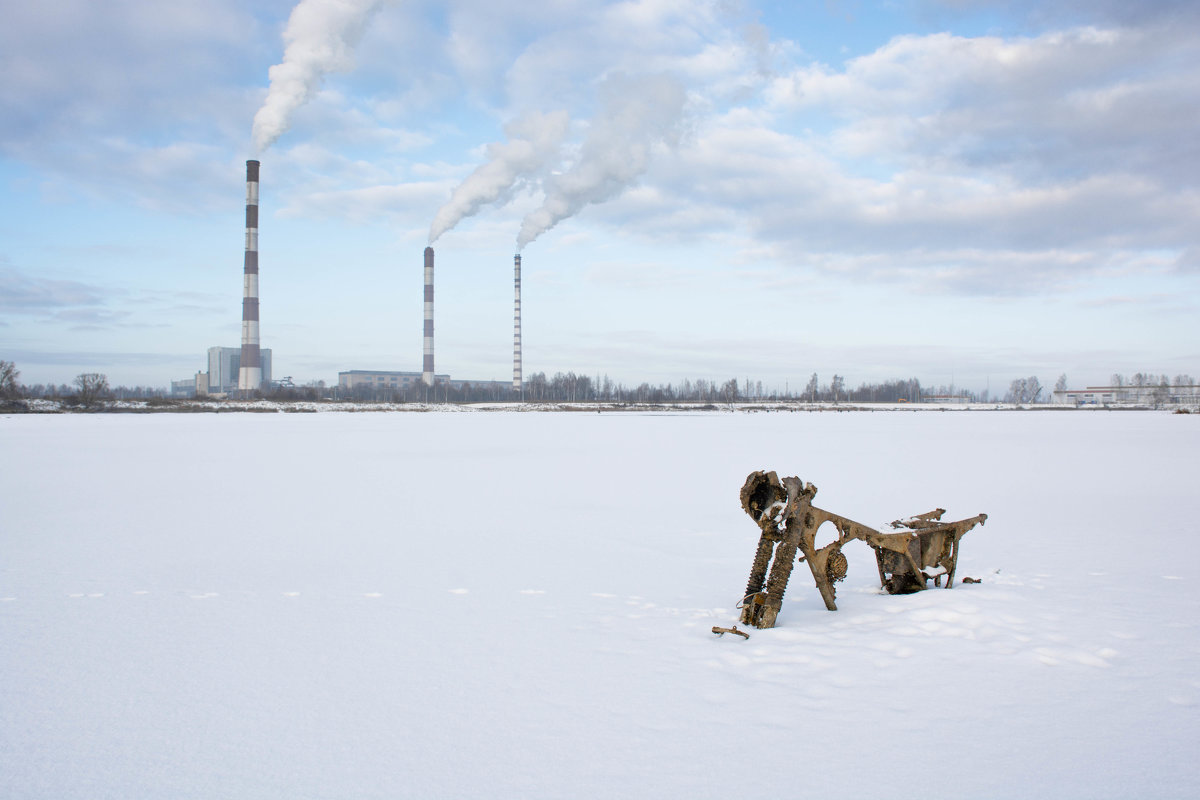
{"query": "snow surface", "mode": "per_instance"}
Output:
(520, 605)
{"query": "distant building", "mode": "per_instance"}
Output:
(196, 386)
(359, 380)
(223, 366)
(500, 389)
(1147, 395)
(381, 379)
(947, 399)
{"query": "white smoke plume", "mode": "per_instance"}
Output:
(533, 141)
(320, 38)
(637, 113)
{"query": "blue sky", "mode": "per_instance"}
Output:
(956, 190)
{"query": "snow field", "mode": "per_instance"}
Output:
(520, 605)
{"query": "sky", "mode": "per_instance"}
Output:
(961, 191)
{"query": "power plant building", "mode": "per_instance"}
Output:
(382, 379)
(224, 367)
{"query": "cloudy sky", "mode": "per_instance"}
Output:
(961, 191)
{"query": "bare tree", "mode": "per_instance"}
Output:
(8, 381)
(836, 385)
(1033, 389)
(92, 388)
(1061, 384)
(1162, 392)
(1016, 391)
(811, 389)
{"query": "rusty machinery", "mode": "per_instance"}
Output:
(919, 549)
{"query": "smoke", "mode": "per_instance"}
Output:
(320, 36)
(532, 142)
(636, 114)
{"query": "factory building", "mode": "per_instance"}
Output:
(402, 382)
(224, 367)
(382, 379)
(1147, 395)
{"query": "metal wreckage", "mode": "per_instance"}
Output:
(918, 549)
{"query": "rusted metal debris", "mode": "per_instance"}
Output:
(919, 549)
(734, 630)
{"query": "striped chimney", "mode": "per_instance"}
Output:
(517, 322)
(250, 371)
(427, 367)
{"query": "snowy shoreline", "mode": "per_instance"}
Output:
(41, 406)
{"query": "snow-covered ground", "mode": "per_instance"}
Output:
(520, 605)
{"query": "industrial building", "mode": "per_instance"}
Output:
(1157, 394)
(381, 379)
(376, 381)
(224, 367)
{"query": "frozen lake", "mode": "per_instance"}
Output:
(426, 605)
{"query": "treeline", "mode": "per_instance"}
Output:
(89, 390)
(563, 387)
(570, 387)
(1142, 379)
(92, 390)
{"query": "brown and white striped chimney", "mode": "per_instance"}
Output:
(250, 370)
(427, 366)
(516, 385)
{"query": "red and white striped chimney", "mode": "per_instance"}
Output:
(517, 323)
(250, 370)
(427, 367)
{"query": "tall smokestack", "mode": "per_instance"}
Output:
(427, 368)
(250, 371)
(517, 323)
